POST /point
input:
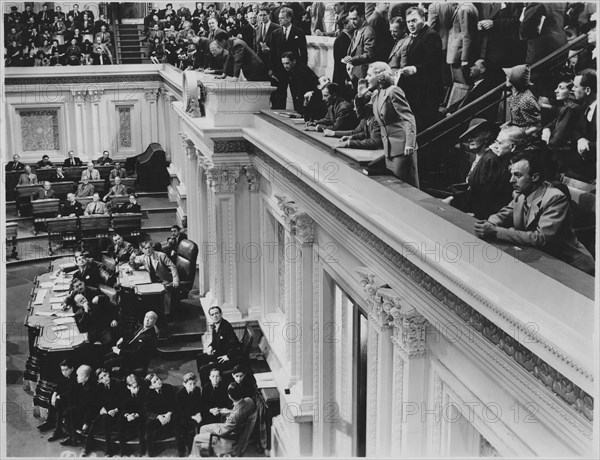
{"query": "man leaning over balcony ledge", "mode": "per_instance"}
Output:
(539, 215)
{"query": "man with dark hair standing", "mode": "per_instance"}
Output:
(421, 77)
(286, 38)
(361, 51)
(383, 40)
(223, 347)
(538, 216)
(302, 79)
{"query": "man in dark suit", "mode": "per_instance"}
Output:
(136, 351)
(64, 385)
(421, 78)
(213, 29)
(121, 250)
(87, 271)
(379, 23)
(72, 160)
(131, 414)
(361, 51)
(340, 114)
(46, 15)
(223, 348)
(286, 38)
(340, 50)
(249, 33)
(214, 397)
(45, 162)
(77, 15)
(301, 79)
(245, 379)
(177, 236)
(98, 318)
(189, 412)
(159, 408)
(80, 405)
(45, 193)
(15, 164)
(71, 208)
(109, 392)
(105, 159)
(585, 91)
(264, 31)
(241, 58)
(132, 206)
(59, 175)
(539, 215)
(161, 270)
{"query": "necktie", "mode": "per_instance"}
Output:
(285, 33)
(15, 165)
(525, 212)
(151, 269)
(95, 208)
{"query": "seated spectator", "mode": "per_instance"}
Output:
(223, 348)
(157, 51)
(81, 405)
(101, 54)
(105, 159)
(550, 228)
(118, 171)
(59, 175)
(159, 408)
(241, 58)
(91, 172)
(340, 115)
(585, 91)
(64, 386)
(301, 79)
(109, 399)
(121, 250)
(214, 397)
(189, 401)
(524, 108)
(135, 351)
(72, 207)
(45, 163)
(45, 193)
(27, 178)
(85, 188)
(131, 207)
(177, 236)
(173, 50)
(116, 190)
(476, 141)
(96, 207)
(87, 271)
(242, 409)
(15, 164)
(72, 160)
(559, 133)
(244, 378)
(104, 35)
(131, 414)
(368, 133)
(98, 318)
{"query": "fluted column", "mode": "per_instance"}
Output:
(152, 114)
(80, 124)
(409, 375)
(95, 97)
(253, 178)
(222, 182)
(201, 224)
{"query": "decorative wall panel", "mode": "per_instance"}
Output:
(39, 130)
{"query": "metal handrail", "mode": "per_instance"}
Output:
(492, 97)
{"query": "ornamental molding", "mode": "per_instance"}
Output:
(80, 80)
(151, 94)
(222, 179)
(371, 286)
(523, 356)
(300, 224)
(230, 145)
(94, 95)
(79, 96)
(253, 178)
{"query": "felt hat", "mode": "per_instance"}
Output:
(478, 125)
(518, 75)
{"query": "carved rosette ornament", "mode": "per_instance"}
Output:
(151, 94)
(222, 179)
(410, 327)
(95, 95)
(79, 95)
(301, 225)
(372, 290)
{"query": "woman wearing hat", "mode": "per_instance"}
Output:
(523, 106)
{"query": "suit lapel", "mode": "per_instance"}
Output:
(535, 206)
(356, 39)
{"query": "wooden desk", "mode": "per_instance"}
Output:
(43, 209)
(99, 186)
(11, 239)
(129, 278)
(11, 180)
(45, 174)
(116, 200)
(138, 303)
(95, 226)
(128, 224)
(61, 189)
(62, 230)
(104, 170)
(73, 173)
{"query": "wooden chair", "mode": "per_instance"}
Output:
(227, 447)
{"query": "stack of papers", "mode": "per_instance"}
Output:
(61, 287)
(65, 320)
(265, 380)
(40, 296)
(69, 266)
(47, 284)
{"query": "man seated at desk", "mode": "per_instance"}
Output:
(91, 172)
(538, 216)
(96, 207)
(97, 317)
(72, 160)
(85, 188)
(161, 270)
(177, 236)
(72, 207)
(116, 190)
(135, 351)
(45, 163)
(27, 178)
(121, 250)
(117, 172)
(59, 175)
(104, 159)
(45, 193)
(87, 271)
(340, 115)
(131, 207)
(15, 164)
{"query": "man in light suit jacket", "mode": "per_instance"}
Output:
(463, 46)
(44, 193)
(85, 188)
(538, 216)
(27, 178)
(91, 173)
(161, 270)
(361, 51)
(96, 206)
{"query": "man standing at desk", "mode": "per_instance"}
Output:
(161, 270)
(44, 194)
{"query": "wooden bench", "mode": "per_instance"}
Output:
(43, 209)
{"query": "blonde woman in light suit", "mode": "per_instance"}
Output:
(397, 122)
